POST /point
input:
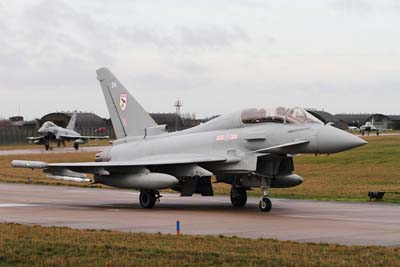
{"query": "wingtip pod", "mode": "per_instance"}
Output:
(29, 164)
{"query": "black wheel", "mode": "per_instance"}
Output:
(265, 204)
(76, 146)
(238, 196)
(147, 199)
(47, 146)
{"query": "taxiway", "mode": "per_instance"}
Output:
(297, 220)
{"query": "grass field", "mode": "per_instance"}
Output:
(8, 174)
(344, 176)
(350, 175)
(22, 245)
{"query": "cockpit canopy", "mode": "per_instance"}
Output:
(48, 124)
(278, 115)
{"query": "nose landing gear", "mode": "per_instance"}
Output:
(265, 204)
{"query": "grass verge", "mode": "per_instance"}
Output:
(22, 245)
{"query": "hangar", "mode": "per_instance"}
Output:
(87, 123)
(382, 121)
(344, 120)
(327, 117)
(90, 123)
(16, 130)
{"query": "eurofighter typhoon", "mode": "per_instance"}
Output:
(246, 149)
(50, 132)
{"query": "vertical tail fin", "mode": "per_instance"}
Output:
(72, 121)
(128, 117)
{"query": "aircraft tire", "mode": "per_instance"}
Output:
(147, 199)
(47, 147)
(76, 146)
(265, 204)
(238, 197)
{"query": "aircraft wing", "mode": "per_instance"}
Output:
(98, 167)
(35, 138)
(287, 148)
(84, 137)
(93, 137)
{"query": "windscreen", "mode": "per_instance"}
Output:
(48, 124)
(263, 115)
(301, 116)
(278, 115)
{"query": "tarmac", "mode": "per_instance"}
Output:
(367, 223)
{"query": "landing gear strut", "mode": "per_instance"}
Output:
(148, 198)
(76, 146)
(238, 196)
(265, 203)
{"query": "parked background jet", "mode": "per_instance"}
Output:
(370, 127)
(51, 133)
(246, 149)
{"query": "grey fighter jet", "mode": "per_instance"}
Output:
(246, 149)
(50, 132)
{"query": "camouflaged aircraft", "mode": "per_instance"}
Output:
(251, 148)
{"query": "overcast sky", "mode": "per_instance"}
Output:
(215, 55)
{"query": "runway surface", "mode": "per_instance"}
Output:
(54, 150)
(297, 220)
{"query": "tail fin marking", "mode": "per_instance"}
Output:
(127, 116)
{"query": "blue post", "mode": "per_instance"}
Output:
(178, 228)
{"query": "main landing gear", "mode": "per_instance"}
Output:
(265, 204)
(238, 196)
(148, 198)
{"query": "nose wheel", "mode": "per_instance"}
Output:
(265, 204)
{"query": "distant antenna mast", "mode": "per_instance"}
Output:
(177, 105)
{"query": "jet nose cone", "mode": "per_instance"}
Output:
(332, 140)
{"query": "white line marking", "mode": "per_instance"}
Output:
(12, 205)
(339, 218)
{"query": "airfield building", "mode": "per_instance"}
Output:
(343, 121)
(327, 117)
(16, 130)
